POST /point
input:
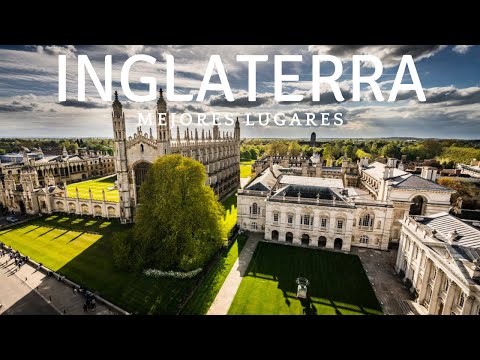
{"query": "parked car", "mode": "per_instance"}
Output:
(12, 219)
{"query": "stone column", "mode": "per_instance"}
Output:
(425, 278)
(400, 254)
(447, 308)
(298, 228)
(436, 286)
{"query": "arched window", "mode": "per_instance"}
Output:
(141, 148)
(364, 239)
(366, 222)
(290, 220)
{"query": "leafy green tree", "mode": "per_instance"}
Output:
(253, 153)
(180, 226)
(294, 148)
(2, 151)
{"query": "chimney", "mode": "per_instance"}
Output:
(389, 168)
(429, 173)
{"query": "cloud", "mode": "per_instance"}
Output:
(448, 96)
(83, 104)
(55, 50)
(241, 100)
(390, 55)
(462, 49)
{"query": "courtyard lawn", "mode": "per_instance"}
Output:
(230, 205)
(338, 283)
(80, 249)
(211, 283)
(97, 186)
(246, 168)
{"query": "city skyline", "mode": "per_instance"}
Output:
(29, 104)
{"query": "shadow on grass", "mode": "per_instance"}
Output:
(336, 277)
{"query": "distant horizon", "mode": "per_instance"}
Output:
(30, 106)
(260, 138)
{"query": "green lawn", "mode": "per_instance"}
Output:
(230, 205)
(338, 283)
(247, 162)
(80, 249)
(246, 168)
(211, 283)
(97, 186)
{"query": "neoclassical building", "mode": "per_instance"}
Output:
(439, 258)
(330, 212)
(219, 153)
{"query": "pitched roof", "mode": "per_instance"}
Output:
(444, 223)
(311, 181)
(265, 182)
(376, 170)
(417, 182)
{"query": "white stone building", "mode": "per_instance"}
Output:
(328, 212)
(439, 257)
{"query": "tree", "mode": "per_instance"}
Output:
(253, 153)
(2, 151)
(180, 226)
(294, 148)
(277, 148)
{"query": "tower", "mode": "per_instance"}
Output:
(237, 130)
(163, 126)
(313, 139)
(120, 154)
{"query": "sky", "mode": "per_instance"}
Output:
(450, 76)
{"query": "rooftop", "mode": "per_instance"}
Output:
(311, 181)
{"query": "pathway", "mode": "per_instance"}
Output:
(225, 296)
(388, 287)
(28, 291)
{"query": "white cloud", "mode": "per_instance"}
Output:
(462, 49)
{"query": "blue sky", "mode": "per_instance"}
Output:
(450, 76)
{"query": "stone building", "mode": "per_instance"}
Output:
(28, 196)
(439, 258)
(65, 168)
(219, 153)
(334, 211)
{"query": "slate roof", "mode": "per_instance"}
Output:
(417, 182)
(444, 223)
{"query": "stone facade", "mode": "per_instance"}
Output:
(29, 197)
(439, 258)
(219, 153)
(341, 214)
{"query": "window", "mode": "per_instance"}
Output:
(366, 222)
(323, 223)
(290, 219)
(379, 224)
(434, 274)
(364, 239)
(254, 209)
(253, 226)
(415, 252)
(461, 299)
(446, 285)
(307, 220)
(339, 224)
(275, 217)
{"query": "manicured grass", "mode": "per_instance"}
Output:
(97, 186)
(338, 283)
(230, 205)
(245, 171)
(80, 249)
(211, 283)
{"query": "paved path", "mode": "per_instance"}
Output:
(388, 286)
(225, 296)
(28, 291)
